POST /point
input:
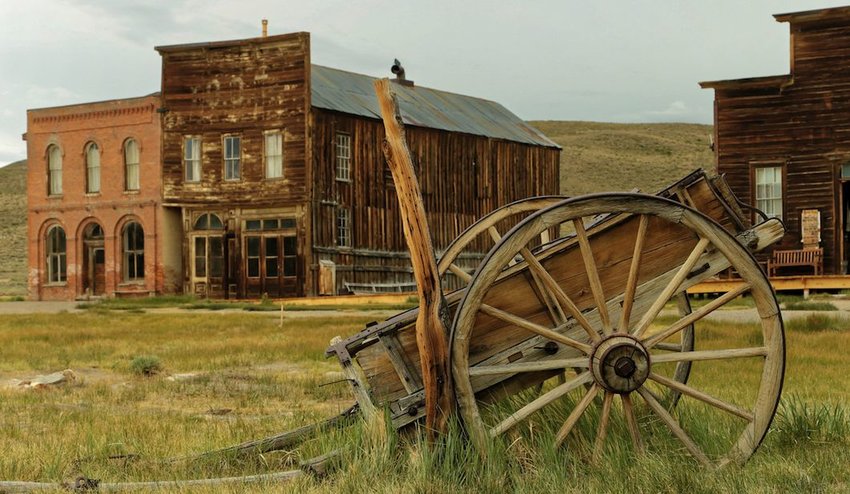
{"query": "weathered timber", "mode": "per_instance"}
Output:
(431, 332)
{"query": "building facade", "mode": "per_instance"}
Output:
(270, 175)
(96, 226)
(783, 141)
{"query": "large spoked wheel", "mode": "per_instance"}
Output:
(618, 335)
(459, 261)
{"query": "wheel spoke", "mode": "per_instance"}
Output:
(603, 426)
(545, 399)
(704, 397)
(460, 273)
(631, 423)
(564, 300)
(592, 275)
(759, 351)
(534, 328)
(549, 299)
(674, 427)
(670, 347)
(631, 285)
(494, 234)
(541, 365)
(695, 316)
(671, 287)
(576, 414)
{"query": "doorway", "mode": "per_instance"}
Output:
(845, 226)
(94, 261)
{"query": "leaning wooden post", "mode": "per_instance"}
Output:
(431, 334)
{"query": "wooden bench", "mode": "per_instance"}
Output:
(791, 258)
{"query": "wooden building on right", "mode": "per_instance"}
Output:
(783, 142)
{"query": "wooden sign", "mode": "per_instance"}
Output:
(810, 228)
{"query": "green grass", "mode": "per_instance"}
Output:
(188, 302)
(272, 379)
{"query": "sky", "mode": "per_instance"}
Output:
(603, 60)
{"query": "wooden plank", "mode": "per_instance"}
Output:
(430, 328)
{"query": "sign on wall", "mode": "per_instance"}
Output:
(810, 228)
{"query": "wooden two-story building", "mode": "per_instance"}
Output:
(276, 167)
(783, 141)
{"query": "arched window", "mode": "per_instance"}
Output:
(134, 252)
(208, 221)
(92, 168)
(54, 170)
(56, 257)
(131, 165)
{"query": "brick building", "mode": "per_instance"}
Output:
(96, 225)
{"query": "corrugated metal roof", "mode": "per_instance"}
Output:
(347, 92)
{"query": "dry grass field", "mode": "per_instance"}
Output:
(600, 157)
(13, 229)
(228, 378)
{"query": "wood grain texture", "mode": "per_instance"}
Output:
(431, 333)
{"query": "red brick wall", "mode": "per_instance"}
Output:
(109, 124)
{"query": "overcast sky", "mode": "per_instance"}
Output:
(613, 61)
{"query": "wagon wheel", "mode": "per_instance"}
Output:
(621, 352)
(491, 228)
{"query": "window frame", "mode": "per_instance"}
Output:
(342, 163)
(61, 257)
(92, 170)
(227, 160)
(196, 160)
(51, 180)
(343, 227)
(136, 166)
(279, 134)
(138, 254)
(779, 166)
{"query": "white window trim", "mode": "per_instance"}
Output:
(343, 227)
(196, 160)
(761, 202)
(93, 185)
(342, 173)
(136, 166)
(228, 160)
(279, 134)
(54, 173)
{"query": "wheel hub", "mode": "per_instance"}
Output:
(620, 363)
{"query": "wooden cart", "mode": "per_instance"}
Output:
(589, 292)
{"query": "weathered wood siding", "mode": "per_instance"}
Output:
(242, 88)
(463, 177)
(801, 122)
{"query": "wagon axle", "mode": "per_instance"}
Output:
(620, 363)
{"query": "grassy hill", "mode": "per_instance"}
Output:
(596, 157)
(13, 229)
(600, 157)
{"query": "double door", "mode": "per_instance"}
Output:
(271, 265)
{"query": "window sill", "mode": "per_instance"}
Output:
(343, 180)
(55, 197)
(56, 284)
(133, 192)
(274, 179)
(131, 284)
(92, 194)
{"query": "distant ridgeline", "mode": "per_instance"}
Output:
(13, 228)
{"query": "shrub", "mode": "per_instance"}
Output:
(804, 305)
(817, 322)
(146, 365)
